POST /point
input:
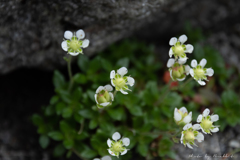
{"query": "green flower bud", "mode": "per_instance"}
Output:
(103, 96)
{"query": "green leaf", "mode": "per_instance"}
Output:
(135, 110)
(37, 120)
(67, 112)
(64, 126)
(80, 78)
(91, 95)
(69, 154)
(43, 141)
(88, 153)
(49, 110)
(54, 100)
(58, 79)
(68, 144)
(142, 149)
(123, 62)
(93, 124)
(106, 65)
(164, 146)
(56, 135)
(83, 62)
(59, 150)
(59, 107)
(86, 113)
(116, 113)
(229, 98)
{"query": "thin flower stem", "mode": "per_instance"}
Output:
(78, 154)
(81, 127)
(70, 73)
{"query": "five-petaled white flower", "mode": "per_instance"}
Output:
(116, 147)
(103, 158)
(177, 70)
(182, 117)
(178, 48)
(74, 43)
(206, 122)
(199, 73)
(190, 133)
(104, 96)
(119, 81)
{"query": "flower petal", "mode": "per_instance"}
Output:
(203, 62)
(200, 137)
(170, 52)
(106, 158)
(116, 136)
(64, 46)
(182, 60)
(99, 89)
(85, 43)
(122, 71)
(112, 74)
(206, 112)
(74, 53)
(187, 69)
(199, 119)
(131, 81)
(214, 118)
(96, 159)
(112, 83)
(68, 34)
(173, 41)
(171, 74)
(111, 95)
(189, 146)
(104, 104)
(110, 152)
(96, 98)
(126, 141)
(183, 38)
(124, 152)
(182, 137)
(170, 62)
(189, 48)
(109, 142)
(210, 72)
(183, 110)
(80, 34)
(215, 130)
(123, 92)
(177, 115)
(202, 83)
(187, 126)
(194, 63)
(196, 126)
(187, 119)
(191, 72)
(181, 79)
(108, 87)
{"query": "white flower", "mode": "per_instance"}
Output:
(190, 133)
(177, 70)
(121, 82)
(179, 49)
(104, 96)
(182, 117)
(73, 42)
(199, 73)
(116, 147)
(103, 158)
(206, 122)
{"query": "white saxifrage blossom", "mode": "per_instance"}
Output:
(182, 117)
(74, 42)
(117, 147)
(177, 70)
(121, 82)
(104, 96)
(206, 122)
(190, 133)
(103, 158)
(179, 49)
(199, 73)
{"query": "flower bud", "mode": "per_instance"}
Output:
(103, 96)
(182, 117)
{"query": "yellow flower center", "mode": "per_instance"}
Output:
(189, 136)
(199, 73)
(119, 82)
(117, 147)
(206, 124)
(179, 50)
(74, 44)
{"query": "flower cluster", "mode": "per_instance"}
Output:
(179, 71)
(190, 132)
